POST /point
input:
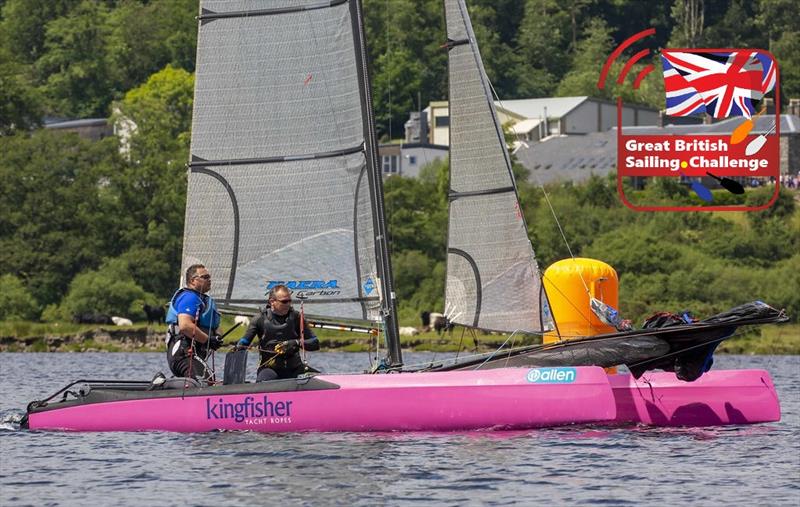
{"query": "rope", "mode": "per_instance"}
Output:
(497, 350)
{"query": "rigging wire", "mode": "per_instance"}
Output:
(389, 53)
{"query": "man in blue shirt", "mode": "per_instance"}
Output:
(193, 321)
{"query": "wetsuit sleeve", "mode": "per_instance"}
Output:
(310, 340)
(253, 330)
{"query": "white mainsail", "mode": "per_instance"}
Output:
(284, 185)
(493, 280)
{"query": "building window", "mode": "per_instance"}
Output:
(390, 164)
(442, 121)
(412, 160)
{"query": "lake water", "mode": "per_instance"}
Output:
(758, 464)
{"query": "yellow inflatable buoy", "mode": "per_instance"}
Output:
(566, 282)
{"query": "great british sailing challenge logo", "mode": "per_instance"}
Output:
(723, 85)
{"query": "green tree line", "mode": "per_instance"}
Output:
(83, 228)
(73, 58)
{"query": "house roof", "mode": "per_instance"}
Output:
(535, 108)
(575, 158)
(427, 146)
(71, 124)
(790, 124)
(525, 126)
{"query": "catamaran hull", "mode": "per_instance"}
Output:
(719, 397)
(510, 398)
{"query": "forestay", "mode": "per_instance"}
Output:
(493, 280)
(282, 185)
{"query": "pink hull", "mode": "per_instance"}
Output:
(460, 400)
(717, 398)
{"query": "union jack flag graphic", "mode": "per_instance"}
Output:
(722, 84)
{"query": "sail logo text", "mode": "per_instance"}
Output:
(552, 375)
(305, 284)
(274, 412)
(309, 288)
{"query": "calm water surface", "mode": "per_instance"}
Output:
(758, 464)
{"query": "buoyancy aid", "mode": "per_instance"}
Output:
(209, 319)
(209, 316)
(275, 332)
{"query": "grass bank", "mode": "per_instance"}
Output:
(68, 337)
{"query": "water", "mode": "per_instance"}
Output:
(572, 465)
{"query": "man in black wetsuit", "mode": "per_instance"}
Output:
(278, 331)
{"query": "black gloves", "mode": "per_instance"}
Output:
(287, 347)
(214, 341)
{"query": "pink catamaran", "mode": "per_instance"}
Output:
(285, 186)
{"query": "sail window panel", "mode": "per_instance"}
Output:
(297, 222)
(209, 235)
(365, 250)
(462, 291)
(476, 147)
(488, 229)
(276, 85)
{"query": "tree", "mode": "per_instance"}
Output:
(24, 24)
(542, 42)
(778, 19)
(144, 38)
(109, 290)
(417, 220)
(78, 78)
(19, 102)
(405, 58)
(689, 16)
(589, 56)
(16, 302)
(57, 215)
(736, 28)
(396, 85)
(152, 188)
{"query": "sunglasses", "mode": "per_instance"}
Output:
(204, 277)
(284, 301)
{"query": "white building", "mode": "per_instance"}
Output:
(534, 119)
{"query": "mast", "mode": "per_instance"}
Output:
(394, 356)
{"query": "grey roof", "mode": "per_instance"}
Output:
(575, 158)
(425, 145)
(71, 124)
(556, 106)
(790, 124)
(534, 108)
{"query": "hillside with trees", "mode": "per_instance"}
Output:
(84, 228)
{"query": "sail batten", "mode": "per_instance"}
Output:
(280, 158)
(493, 280)
(208, 15)
(282, 178)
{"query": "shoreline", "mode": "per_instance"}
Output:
(770, 340)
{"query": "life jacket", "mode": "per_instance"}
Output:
(275, 332)
(209, 316)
